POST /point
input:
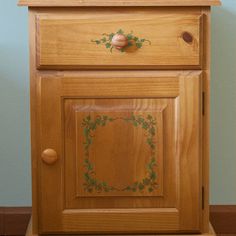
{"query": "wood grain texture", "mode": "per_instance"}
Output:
(119, 151)
(206, 54)
(190, 118)
(222, 218)
(121, 221)
(210, 233)
(64, 38)
(135, 87)
(70, 3)
(163, 111)
(182, 215)
(35, 121)
(56, 210)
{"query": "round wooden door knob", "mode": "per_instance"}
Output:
(119, 41)
(49, 156)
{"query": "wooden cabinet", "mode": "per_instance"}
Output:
(120, 116)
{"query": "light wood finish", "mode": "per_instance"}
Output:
(222, 220)
(29, 232)
(182, 122)
(117, 163)
(64, 39)
(72, 3)
(35, 122)
(49, 156)
(206, 117)
(60, 99)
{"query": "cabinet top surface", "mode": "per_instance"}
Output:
(72, 3)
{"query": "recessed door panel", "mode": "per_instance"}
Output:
(117, 153)
(120, 151)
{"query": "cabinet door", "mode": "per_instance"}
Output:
(128, 150)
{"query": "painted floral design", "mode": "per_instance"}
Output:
(91, 183)
(132, 41)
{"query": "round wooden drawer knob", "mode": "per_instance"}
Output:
(119, 41)
(49, 156)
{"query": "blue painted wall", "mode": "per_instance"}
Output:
(223, 101)
(15, 189)
(14, 106)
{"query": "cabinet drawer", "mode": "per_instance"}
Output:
(127, 38)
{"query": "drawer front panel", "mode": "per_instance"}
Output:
(119, 38)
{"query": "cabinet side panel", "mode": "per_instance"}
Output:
(75, 3)
(34, 120)
(206, 117)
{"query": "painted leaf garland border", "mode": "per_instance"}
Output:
(91, 184)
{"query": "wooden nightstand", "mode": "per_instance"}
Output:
(120, 116)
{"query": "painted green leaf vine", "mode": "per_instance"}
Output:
(91, 184)
(133, 40)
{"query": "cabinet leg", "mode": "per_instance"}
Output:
(29, 231)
